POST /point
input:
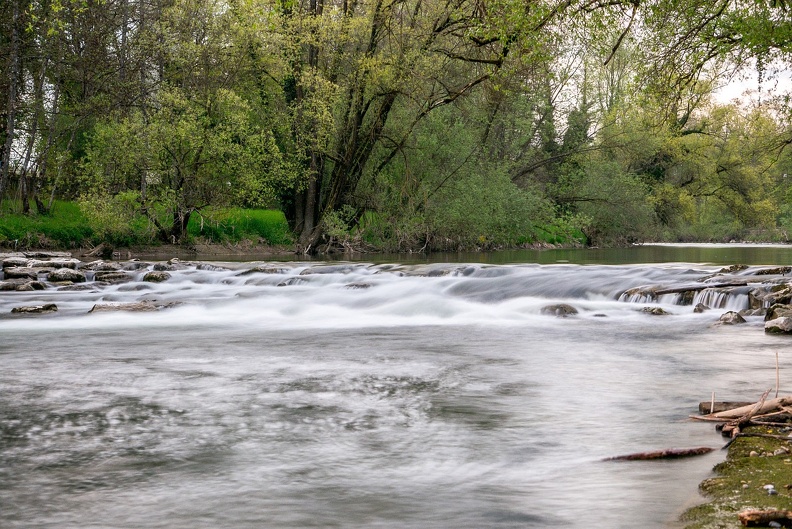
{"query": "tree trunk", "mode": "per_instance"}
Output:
(11, 103)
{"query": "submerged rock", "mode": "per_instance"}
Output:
(35, 309)
(655, 311)
(560, 310)
(700, 307)
(781, 325)
(134, 306)
(731, 318)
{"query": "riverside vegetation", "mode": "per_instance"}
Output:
(396, 125)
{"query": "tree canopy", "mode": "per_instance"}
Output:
(403, 124)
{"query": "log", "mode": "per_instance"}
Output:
(704, 407)
(672, 453)
(757, 518)
(767, 406)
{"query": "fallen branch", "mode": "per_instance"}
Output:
(673, 453)
(766, 407)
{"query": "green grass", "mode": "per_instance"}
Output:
(65, 226)
(236, 224)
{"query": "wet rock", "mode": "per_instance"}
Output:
(135, 306)
(41, 254)
(35, 309)
(102, 266)
(54, 263)
(17, 272)
(752, 312)
(30, 286)
(655, 311)
(15, 261)
(331, 269)
(112, 277)
(642, 293)
(292, 281)
(66, 274)
(135, 265)
(210, 267)
(700, 307)
(262, 270)
(782, 270)
(156, 277)
(778, 311)
(770, 295)
(82, 287)
(560, 310)
(731, 318)
(781, 325)
(733, 268)
(358, 286)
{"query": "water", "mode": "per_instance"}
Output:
(388, 396)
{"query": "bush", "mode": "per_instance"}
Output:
(236, 224)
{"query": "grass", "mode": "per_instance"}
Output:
(67, 227)
(740, 481)
(235, 224)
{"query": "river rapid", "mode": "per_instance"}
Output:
(358, 395)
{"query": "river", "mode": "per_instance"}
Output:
(373, 394)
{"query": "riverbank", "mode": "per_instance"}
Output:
(743, 481)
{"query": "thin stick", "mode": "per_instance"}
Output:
(778, 377)
(712, 403)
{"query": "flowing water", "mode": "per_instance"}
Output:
(367, 395)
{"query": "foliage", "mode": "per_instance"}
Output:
(236, 224)
(64, 226)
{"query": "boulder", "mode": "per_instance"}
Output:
(66, 274)
(35, 309)
(30, 286)
(560, 310)
(778, 311)
(700, 307)
(731, 318)
(781, 325)
(156, 277)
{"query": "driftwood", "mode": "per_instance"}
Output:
(766, 407)
(707, 407)
(755, 518)
(673, 453)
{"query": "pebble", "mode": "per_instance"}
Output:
(754, 453)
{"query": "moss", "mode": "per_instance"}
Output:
(740, 481)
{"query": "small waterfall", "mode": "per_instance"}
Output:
(720, 298)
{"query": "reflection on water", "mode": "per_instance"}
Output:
(434, 396)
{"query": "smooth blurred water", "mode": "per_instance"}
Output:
(361, 395)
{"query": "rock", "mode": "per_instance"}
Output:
(54, 263)
(655, 311)
(102, 266)
(17, 272)
(112, 277)
(16, 261)
(782, 270)
(752, 312)
(358, 286)
(731, 318)
(156, 277)
(781, 325)
(733, 268)
(30, 286)
(262, 270)
(47, 255)
(35, 309)
(10, 285)
(700, 307)
(135, 306)
(66, 274)
(561, 310)
(778, 311)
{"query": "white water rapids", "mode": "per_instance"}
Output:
(356, 395)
